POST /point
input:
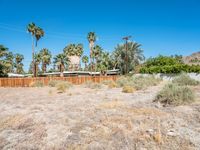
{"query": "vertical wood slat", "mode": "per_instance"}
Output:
(25, 82)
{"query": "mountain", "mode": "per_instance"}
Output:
(193, 59)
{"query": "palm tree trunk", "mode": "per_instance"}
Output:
(33, 53)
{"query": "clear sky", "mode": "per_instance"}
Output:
(161, 26)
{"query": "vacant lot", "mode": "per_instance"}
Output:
(84, 118)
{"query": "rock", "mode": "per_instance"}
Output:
(171, 132)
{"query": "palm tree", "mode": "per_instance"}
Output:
(130, 58)
(91, 39)
(9, 62)
(73, 52)
(3, 51)
(18, 63)
(37, 59)
(85, 60)
(45, 58)
(61, 61)
(36, 33)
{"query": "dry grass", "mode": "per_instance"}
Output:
(128, 89)
(111, 104)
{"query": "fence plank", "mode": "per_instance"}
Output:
(26, 82)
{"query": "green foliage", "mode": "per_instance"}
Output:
(122, 58)
(173, 94)
(184, 79)
(73, 50)
(166, 64)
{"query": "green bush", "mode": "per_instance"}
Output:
(173, 94)
(165, 64)
(184, 79)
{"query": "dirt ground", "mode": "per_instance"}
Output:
(83, 118)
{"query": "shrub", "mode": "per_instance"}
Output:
(92, 85)
(112, 84)
(172, 94)
(128, 89)
(139, 82)
(37, 84)
(52, 83)
(62, 86)
(122, 81)
(184, 79)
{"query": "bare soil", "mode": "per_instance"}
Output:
(83, 118)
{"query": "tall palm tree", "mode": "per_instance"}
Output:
(130, 58)
(36, 33)
(85, 60)
(91, 39)
(61, 61)
(45, 58)
(18, 63)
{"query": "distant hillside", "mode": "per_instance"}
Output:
(192, 59)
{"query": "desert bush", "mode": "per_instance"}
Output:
(52, 83)
(112, 84)
(128, 89)
(37, 84)
(173, 94)
(184, 79)
(61, 87)
(122, 81)
(139, 82)
(92, 85)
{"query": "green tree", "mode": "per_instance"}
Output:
(18, 63)
(36, 34)
(127, 59)
(61, 61)
(9, 62)
(37, 59)
(45, 58)
(3, 51)
(85, 60)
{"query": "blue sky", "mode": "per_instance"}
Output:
(161, 26)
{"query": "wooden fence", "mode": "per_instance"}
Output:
(26, 82)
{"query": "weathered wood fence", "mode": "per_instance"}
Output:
(26, 82)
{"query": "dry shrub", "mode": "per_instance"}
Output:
(112, 84)
(92, 85)
(128, 89)
(36, 84)
(139, 82)
(17, 121)
(62, 86)
(172, 94)
(184, 79)
(145, 111)
(112, 104)
(52, 83)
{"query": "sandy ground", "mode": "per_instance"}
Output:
(83, 118)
